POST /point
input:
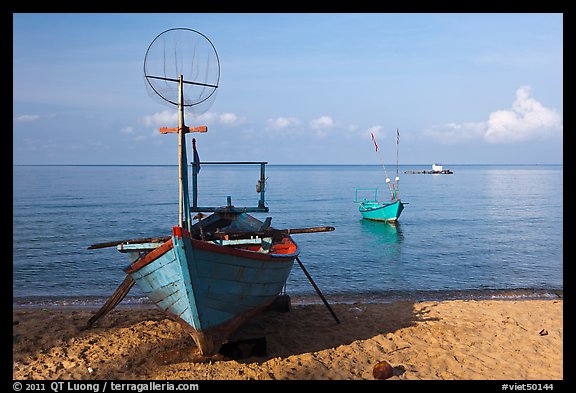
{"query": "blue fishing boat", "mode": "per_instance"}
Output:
(213, 287)
(214, 275)
(372, 209)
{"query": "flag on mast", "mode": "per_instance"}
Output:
(397, 136)
(196, 162)
(374, 140)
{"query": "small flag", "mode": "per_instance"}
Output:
(374, 140)
(196, 162)
(397, 136)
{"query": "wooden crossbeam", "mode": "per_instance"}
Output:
(166, 130)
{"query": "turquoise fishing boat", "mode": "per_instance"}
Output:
(214, 275)
(370, 207)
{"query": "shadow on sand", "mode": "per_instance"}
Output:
(146, 339)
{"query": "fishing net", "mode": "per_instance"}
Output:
(187, 53)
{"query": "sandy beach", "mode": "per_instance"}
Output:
(445, 340)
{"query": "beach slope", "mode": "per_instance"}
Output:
(444, 340)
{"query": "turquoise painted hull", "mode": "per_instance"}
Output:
(387, 212)
(210, 289)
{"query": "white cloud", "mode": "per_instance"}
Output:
(378, 132)
(26, 118)
(319, 127)
(167, 118)
(230, 119)
(528, 119)
(454, 133)
(281, 123)
(127, 130)
(207, 118)
(322, 123)
(212, 118)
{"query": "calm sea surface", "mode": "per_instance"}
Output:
(481, 231)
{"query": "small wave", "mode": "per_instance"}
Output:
(87, 302)
(420, 296)
(95, 302)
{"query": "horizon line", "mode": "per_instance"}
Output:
(284, 164)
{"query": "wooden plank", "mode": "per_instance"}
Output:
(166, 130)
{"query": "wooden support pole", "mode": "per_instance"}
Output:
(317, 290)
(112, 302)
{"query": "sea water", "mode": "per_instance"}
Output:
(483, 231)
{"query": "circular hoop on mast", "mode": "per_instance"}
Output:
(188, 53)
(181, 67)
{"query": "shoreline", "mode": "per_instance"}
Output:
(131, 301)
(458, 339)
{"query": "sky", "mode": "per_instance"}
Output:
(296, 88)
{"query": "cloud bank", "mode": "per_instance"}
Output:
(527, 119)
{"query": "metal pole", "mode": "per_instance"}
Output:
(262, 184)
(194, 180)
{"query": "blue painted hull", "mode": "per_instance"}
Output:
(211, 289)
(387, 212)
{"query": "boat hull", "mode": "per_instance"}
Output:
(211, 289)
(387, 212)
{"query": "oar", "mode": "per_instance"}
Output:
(112, 302)
(317, 289)
(128, 241)
(217, 235)
(269, 232)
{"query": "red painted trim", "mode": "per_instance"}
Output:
(179, 231)
(201, 245)
(286, 250)
(151, 256)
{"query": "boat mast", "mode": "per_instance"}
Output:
(390, 186)
(397, 141)
(184, 204)
(397, 177)
(174, 58)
